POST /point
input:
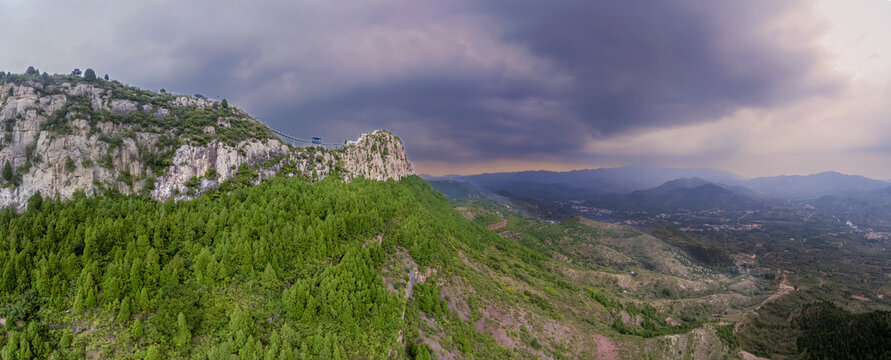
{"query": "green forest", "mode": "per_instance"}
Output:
(293, 269)
(280, 270)
(830, 332)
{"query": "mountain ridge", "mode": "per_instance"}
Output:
(63, 134)
(685, 193)
(624, 180)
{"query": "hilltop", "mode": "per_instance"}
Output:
(684, 193)
(62, 134)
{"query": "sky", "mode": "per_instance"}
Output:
(756, 87)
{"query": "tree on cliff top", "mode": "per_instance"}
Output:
(90, 75)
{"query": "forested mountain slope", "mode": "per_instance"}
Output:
(325, 270)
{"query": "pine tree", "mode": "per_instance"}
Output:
(136, 277)
(111, 284)
(153, 353)
(9, 282)
(144, 301)
(89, 75)
(124, 310)
(269, 280)
(8, 175)
(137, 331)
(92, 299)
(241, 321)
(152, 269)
(10, 351)
(89, 245)
(78, 306)
(35, 202)
(183, 336)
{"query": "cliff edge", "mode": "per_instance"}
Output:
(63, 134)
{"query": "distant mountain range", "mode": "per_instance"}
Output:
(813, 186)
(591, 182)
(664, 188)
(463, 190)
(693, 194)
(868, 208)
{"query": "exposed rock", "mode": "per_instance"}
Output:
(379, 156)
(81, 151)
(123, 106)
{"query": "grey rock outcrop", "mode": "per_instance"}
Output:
(57, 151)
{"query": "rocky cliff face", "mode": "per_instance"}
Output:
(195, 169)
(379, 156)
(60, 135)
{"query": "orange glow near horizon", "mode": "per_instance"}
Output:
(436, 168)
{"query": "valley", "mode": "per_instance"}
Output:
(785, 253)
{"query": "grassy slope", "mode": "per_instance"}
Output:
(766, 315)
(593, 288)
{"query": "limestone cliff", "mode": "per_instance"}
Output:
(61, 134)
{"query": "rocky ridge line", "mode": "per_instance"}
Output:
(64, 135)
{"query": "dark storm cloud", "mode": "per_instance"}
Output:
(628, 65)
(658, 63)
(445, 117)
(460, 81)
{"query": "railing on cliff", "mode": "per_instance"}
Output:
(314, 140)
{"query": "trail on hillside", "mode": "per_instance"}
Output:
(782, 290)
(498, 225)
(749, 356)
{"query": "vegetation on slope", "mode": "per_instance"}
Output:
(829, 332)
(185, 122)
(116, 117)
(277, 268)
(622, 279)
(765, 327)
(797, 327)
(292, 269)
(704, 253)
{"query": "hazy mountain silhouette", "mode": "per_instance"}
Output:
(687, 193)
(813, 186)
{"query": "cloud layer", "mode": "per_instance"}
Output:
(464, 82)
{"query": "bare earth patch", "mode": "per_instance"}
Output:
(671, 322)
(743, 285)
(498, 225)
(493, 322)
(606, 348)
(466, 213)
(453, 292)
(433, 340)
(782, 290)
(749, 356)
